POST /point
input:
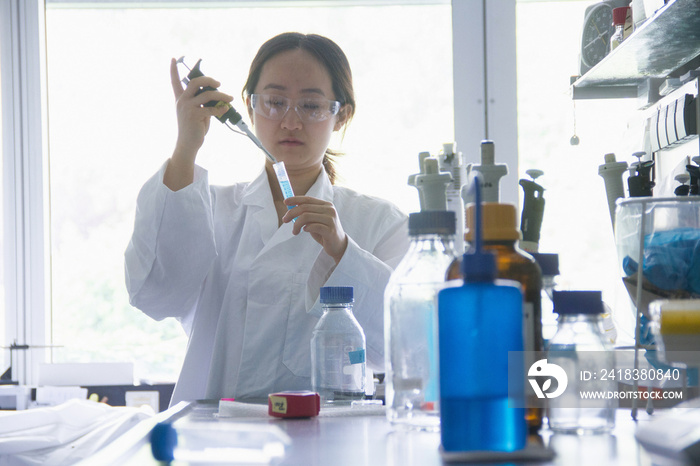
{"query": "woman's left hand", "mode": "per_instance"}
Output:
(319, 218)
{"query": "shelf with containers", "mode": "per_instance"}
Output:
(663, 48)
(659, 65)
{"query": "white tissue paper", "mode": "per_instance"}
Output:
(63, 434)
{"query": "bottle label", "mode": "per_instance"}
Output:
(356, 369)
(278, 404)
(357, 357)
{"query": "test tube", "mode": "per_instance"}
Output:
(283, 180)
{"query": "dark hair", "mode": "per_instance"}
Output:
(330, 55)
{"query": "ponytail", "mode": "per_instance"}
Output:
(329, 164)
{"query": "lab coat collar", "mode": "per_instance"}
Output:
(322, 188)
(259, 194)
(258, 191)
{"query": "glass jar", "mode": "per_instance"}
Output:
(338, 349)
(580, 348)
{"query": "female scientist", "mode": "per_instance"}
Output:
(229, 263)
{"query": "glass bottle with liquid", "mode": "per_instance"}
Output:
(581, 349)
(338, 349)
(410, 321)
(500, 235)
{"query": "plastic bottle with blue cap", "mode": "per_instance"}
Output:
(338, 349)
(480, 322)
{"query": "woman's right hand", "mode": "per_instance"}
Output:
(192, 124)
(192, 117)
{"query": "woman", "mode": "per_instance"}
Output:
(230, 264)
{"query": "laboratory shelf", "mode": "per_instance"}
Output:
(666, 45)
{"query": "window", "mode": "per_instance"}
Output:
(112, 125)
(576, 221)
(4, 362)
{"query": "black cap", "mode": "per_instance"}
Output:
(549, 263)
(578, 302)
(432, 222)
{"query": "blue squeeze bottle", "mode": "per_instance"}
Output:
(479, 323)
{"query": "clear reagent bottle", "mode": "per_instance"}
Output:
(410, 322)
(581, 349)
(338, 349)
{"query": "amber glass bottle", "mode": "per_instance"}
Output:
(500, 235)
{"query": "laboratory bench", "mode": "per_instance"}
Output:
(365, 437)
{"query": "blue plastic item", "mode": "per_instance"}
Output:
(163, 441)
(671, 260)
(479, 324)
(212, 442)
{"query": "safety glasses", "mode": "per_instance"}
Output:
(309, 109)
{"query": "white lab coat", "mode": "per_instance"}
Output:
(245, 290)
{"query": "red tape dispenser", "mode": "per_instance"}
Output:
(294, 404)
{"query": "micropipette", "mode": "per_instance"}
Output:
(232, 118)
(533, 211)
(412, 178)
(432, 184)
(639, 182)
(450, 160)
(611, 172)
(491, 172)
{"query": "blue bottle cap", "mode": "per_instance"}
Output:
(479, 266)
(336, 294)
(163, 441)
(436, 222)
(578, 302)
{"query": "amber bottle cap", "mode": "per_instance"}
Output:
(499, 222)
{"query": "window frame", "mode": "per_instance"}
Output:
(483, 60)
(24, 182)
